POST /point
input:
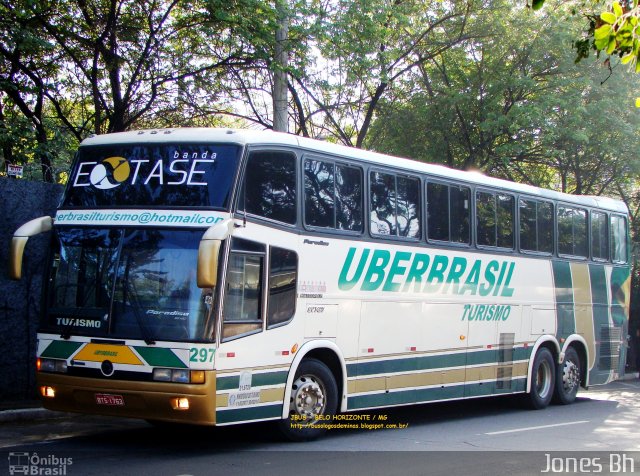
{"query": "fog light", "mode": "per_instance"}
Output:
(180, 403)
(48, 392)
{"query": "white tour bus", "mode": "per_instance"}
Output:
(216, 277)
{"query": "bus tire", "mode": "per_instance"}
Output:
(314, 400)
(568, 375)
(542, 380)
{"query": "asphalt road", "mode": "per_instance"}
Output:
(600, 433)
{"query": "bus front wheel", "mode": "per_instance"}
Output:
(314, 400)
(543, 380)
(568, 378)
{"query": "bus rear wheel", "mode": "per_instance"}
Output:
(568, 378)
(314, 400)
(543, 378)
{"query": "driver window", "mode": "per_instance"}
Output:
(243, 304)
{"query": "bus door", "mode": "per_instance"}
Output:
(445, 340)
(491, 349)
(388, 345)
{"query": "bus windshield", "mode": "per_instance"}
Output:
(136, 284)
(153, 175)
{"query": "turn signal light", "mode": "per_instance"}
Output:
(197, 376)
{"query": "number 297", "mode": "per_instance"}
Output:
(201, 354)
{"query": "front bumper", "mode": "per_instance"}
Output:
(146, 400)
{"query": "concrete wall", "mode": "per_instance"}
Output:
(20, 301)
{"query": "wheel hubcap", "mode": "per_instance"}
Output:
(308, 397)
(570, 376)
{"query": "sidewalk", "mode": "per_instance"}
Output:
(28, 410)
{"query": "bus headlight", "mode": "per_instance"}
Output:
(162, 375)
(52, 365)
(178, 375)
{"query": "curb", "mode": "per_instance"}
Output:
(30, 414)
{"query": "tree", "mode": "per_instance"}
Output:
(346, 58)
(366, 47)
(526, 114)
(105, 66)
(614, 31)
(28, 65)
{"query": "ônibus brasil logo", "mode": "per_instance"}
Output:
(183, 168)
(110, 173)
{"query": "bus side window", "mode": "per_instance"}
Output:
(283, 278)
(319, 193)
(572, 232)
(269, 188)
(536, 226)
(495, 214)
(332, 195)
(243, 293)
(618, 239)
(599, 236)
(349, 198)
(448, 213)
(383, 204)
(408, 207)
(395, 205)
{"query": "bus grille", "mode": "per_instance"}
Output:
(505, 361)
(610, 341)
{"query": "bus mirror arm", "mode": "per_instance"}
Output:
(19, 241)
(209, 250)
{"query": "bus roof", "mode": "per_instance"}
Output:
(254, 137)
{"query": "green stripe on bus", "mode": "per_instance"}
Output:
(59, 349)
(405, 364)
(619, 298)
(431, 394)
(160, 357)
(257, 380)
(432, 362)
(245, 414)
(620, 287)
(564, 298)
(600, 317)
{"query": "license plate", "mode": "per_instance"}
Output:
(108, 399)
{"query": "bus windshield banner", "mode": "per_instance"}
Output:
(153, 175)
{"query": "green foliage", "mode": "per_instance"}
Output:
(614, 32)
(362, 49)
(107, 66)
(522, 113)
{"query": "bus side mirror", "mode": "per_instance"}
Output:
(209, 251)
(19, 241)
